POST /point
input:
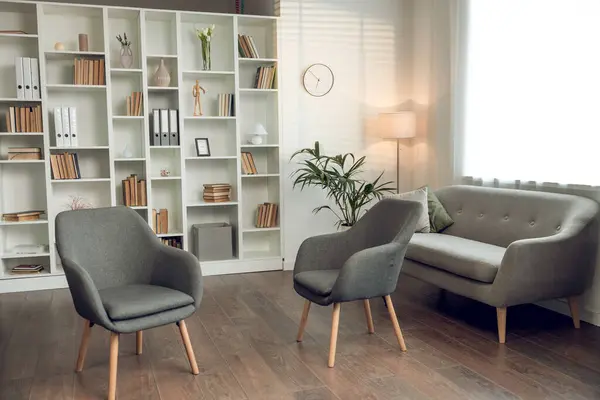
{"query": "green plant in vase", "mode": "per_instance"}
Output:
(205, 36)
(339, 176)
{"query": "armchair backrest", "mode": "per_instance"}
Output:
(114, 245)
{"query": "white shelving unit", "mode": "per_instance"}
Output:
(105, 130)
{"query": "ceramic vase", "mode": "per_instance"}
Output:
(162, 78)
(126, 57)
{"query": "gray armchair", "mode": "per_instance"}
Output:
(359, 264)
(124, 279)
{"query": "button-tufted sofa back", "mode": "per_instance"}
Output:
(502, 216)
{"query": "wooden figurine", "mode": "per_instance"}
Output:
(197, 104)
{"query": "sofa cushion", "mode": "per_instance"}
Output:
(319, 282)
(134, 301)
(419, 196)
(468, 258)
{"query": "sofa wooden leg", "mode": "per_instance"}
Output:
(139, 344)
(303, 321)
(501, 317)
(574, 307)
(188, 347)
(112, 366)
(368, 315)
(394, 318)
(335, 324)
(85, 340)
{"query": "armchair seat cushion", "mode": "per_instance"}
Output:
(464, 257)
(135, 301)
(319, 282)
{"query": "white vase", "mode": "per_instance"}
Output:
(127, 152)
(344, 228)
(126, 57)
(162, 78)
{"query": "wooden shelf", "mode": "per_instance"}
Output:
(209, 204)
(259, 175)
(79, 148)
(15, 100)
(74, 87)
(162, 89)
(257, 146)
(257, 60)
(126, 70)
(133, 159)
(172, 56)
(165, 147)
(254, 90)
(19, 35)
(170, 234)
(254, 230)
(208, 117)
(82, 180)
(211, 158)
(22, 134)
(209, 73)
(36, 222)
(128, 117)
(165, 178)
(8, 256)
(72, 53)
(22, 161)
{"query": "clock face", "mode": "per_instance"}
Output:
(318, 80)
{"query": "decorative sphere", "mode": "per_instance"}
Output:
(59, 46)
(256, 139)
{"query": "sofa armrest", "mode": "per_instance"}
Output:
(548, 267)
(323, 252)
(370, 273)
(178, 270)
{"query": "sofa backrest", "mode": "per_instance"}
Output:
(502, 216)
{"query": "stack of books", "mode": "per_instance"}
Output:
(226, 105)
(266, 215)
(27, 269)
(24, 119)
(217, 192)
(134, 104)
(173, 242)
(21, 216)
(24, 153)
(134, 191)
(88, 71)
(246, 47)
(65, 166)
(248, 166)
(265, 78)
(160, 221)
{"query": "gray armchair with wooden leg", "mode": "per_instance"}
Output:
(359, 264)
(122, 278)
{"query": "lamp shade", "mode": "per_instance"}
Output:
(258, 130)
(398, 125)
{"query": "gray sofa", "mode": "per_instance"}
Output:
(509, 247)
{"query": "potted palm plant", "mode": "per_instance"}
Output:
(339, 177)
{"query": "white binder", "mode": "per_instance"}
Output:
(164, 127)
(35, 79)
(156, 127)
(173, 128)
(73, 126)
(19, 78)
(66, 127)
(27, 78)
(60, 141)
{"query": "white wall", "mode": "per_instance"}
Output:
(367, 43)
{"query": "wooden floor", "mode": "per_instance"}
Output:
(244, 340)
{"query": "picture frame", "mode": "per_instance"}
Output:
(202, 147)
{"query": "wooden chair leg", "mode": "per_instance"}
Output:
(188, 347)
(335, 324)
(574, 307)
(85, 339)
(501, 317)
(394, 318)
(139, 344)
(303, 320)
(368, 315)
(112, 366)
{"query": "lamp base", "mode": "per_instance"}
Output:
(256, 139)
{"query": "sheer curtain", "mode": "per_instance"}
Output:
(532, 91)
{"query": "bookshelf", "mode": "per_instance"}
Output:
(114, 145)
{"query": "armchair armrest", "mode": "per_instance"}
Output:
(179, 270)
(323, 252)
(370, 273)
(85, 294)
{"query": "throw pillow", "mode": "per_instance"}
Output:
(420, 196)
(439, 219)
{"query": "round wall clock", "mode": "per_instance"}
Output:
(318, 80)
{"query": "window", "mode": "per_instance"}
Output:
(532, 105)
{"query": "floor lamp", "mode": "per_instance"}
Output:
(398, 125)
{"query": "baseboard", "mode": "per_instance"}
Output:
(560, 306)
(289, 265)
(33, 283)
(241, 266)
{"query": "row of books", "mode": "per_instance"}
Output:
(88, 71)
(160, 221)
(173, 242)
(22, 216)
(27, 73)
(134, 191)
(266, 215)
(65, 166)
(24, 153)
(24, 269)
(246, 47)
(65, 126)
(226, 105)
(134, 104)
(265, 78)
(165, 127)
(24, 119)
(217, 192)
(248, 166)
